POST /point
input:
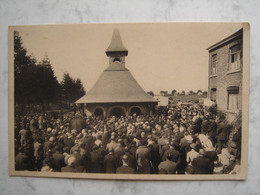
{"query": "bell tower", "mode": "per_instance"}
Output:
(116, 51)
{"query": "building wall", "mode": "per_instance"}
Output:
(223, 78)
(146, 108)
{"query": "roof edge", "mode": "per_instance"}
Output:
(223, 41)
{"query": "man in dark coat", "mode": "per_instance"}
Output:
(110, 161)
(78, 123)
(95, 160)
(175, 154)
(125, 169)
(58, 158)
(201, 164)
(212, 130)
(22, 161)
(197, 125)
(169, 166)
(70, 165)
(143, 158)
(155, 155)
(131, 159)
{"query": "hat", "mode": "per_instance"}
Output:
(49, 129)
(95, 147)
(233, 145)
(193, 146)
(201, 152)
(71, 160)
(67, 156)
(74, 131)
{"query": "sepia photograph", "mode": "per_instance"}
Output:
(129, 101)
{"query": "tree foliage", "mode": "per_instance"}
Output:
(23, 66)
(164, 93)
(72, 89)
(199, 91)
(35, 83)
(173, 92)
(205, 93)
(151, 93)
(48, 87)
(191, 92)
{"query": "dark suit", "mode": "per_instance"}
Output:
(68, 169)
(110, 163)
(125, 170)
(58, 160)
(176, 155)
(95, 162)
(202, 165)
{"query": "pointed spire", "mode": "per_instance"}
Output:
(116, 44)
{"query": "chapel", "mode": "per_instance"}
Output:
(116, 92)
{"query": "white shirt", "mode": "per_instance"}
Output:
(203, 138)
(191, 155)
(224, 157)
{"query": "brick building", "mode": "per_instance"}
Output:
(225, 73)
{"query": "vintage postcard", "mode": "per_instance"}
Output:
(133, 101)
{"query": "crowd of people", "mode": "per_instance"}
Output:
(184, 139)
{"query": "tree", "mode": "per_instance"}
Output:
(48, 87)
(80, 91)
(191, 92)
(72, 89)
(173, 92)
(199, 91)
(164, 93)
(151, 93)
(23, 65)
(34, 84)
(183, 93)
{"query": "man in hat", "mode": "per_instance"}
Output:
(125, 169)
(70, 161)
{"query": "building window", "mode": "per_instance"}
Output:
(235, 58)
(213, 65)
(116, 60)
(233, 94)
(213, 96)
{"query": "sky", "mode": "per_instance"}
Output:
(161, 56)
